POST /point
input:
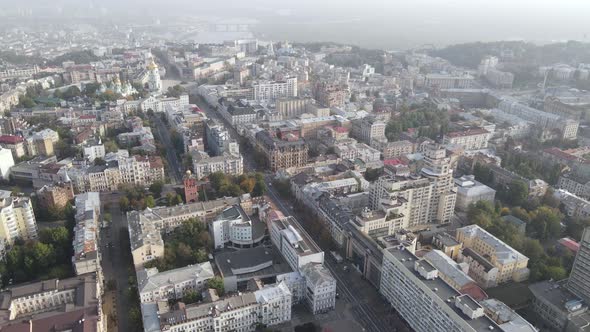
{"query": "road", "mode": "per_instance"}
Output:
(250, 164)
(174, 164)
(348, 282)
(116, 259)
(363, 303)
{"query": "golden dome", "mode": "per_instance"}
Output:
(152, 65)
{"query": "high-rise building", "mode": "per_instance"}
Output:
(270, 91)
(6, 162)
(414, 199)
(17, 220)
(579, 281)
(425, 301)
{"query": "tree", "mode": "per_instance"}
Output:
(555, 272)
(545, 223)
(150, 201)
(191, 297)
(217, 284)
(259, 188)
(71, 92)
(156, 188)
(106, 217)
(111, 146)
(517, 193)
(124, 203)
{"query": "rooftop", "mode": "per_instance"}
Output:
(503, 252)
(251, 262)
(151, 279)
(440, 289)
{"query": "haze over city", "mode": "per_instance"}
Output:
(294, 166)
(374, 23)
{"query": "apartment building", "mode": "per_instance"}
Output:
(227, 163)
(93, 150)
(352, 150)
(330, 94)
(15, 144)
(68, 304)
(573, 205)
(511, 265)
(320, 288)
(234, 228)
(579, 280)
(17, 220)
(417, 199)
(270, 91)
(6, 162)
(568, 128)
(425, 301)
(155, 286)
(445, 81)
(43, 142)
(282, 154)
(396, 149)
(575, 185)
(55, 195)
(268, 306)
(470, 139)
(368, 130)
(136, 170)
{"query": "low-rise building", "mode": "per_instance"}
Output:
(155, 286)
(470, 139)
(70, 304)
(470, 191)
(234, 228)
(511, 264)
(268, 306)
(227, 163)
(86, 258)
(145, 227)
(56, 195)
(15, 144)
(447, 244)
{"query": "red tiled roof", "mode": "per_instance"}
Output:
(570, 244)
(11, 139)
(392, 162)
(474, 291)
(560, 154)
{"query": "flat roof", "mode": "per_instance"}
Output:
(443, 291)
(252, 262)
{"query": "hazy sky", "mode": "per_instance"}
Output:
(377, 23)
